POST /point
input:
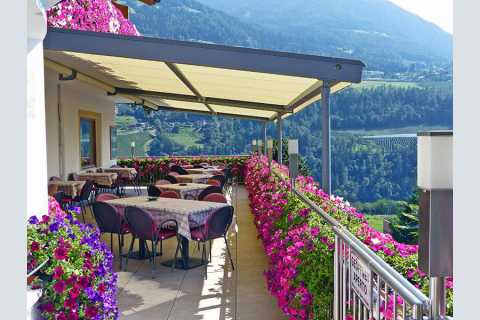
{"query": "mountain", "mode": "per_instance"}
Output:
(377, 31)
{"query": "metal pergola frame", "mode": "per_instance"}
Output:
(328, 72)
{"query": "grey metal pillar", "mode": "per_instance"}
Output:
(280, 139)
(265, 137)
(326, 152)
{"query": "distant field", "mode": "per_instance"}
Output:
(123, 121)
(373, 84)
(141, 139)
(402, 130)
(376, 221)
(369, 84)
(187, 137)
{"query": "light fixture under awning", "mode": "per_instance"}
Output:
(198, 77)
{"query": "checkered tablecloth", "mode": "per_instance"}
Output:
(186, 212)
(202, 170)
(186, 191)
(69, 188)
(101, 178)
(128, 173)
(194, 178)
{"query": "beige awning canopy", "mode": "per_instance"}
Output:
(197, 77)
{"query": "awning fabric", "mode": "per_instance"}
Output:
(198, 77)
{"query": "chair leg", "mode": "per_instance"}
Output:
(82, 210)
(228, 252)
(111, 242)
(161, 247)
(176, 254)
(154, 248)
(204, 259)
(120, 245)
(130, 249)
(210, 250)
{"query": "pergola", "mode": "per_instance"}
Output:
(204, 78)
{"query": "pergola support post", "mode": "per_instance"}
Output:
(326, 152)
(280, 139)
(265, 137)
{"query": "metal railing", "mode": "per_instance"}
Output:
(365, 286)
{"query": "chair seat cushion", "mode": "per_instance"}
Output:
(166, 233)
(197, 233)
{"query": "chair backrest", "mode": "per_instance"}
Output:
(218, 222)
(221, 178)
(215, 197)
(140, 223)
(208, 190)
(171, 178)
(106, 197)
(107, 217)
(153, 191)
(99, 169)
(86, 190)
(214, 182)
(178, 169)
(170, 194)
(197, 166)
(59, 196)
(162, 181)
(55, 178)
(73, 177)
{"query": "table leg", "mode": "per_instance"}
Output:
(185, 262)
(141, 254)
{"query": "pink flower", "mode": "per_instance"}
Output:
(60, 286)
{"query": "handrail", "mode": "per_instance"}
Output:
(405, 288)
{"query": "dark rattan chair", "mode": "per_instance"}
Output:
(171, 178)
(216, 226)
(143, 227)
(82, 200)
(170, 194)
(215, 197)
(208, 190)
(178, 169)
(109, 221)
(153, 191)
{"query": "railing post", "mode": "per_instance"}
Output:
(280, 139)
(336, 278)
(270, 152)
(326, 152)
(265, 137)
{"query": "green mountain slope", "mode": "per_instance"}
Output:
(385, 37)
(375, 30)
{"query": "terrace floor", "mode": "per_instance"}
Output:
(185, 295)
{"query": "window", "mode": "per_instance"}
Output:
(88, 145)
(113, 143)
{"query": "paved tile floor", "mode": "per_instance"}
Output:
(184, 295)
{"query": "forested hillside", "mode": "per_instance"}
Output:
(362, 170)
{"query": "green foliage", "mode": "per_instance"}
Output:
(405, 224)
(380, 207)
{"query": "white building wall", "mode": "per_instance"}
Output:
(74, 96)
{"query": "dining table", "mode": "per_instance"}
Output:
(69, 188)
(100, 178)
(189, 191)
(126, 173)
(194, 178)
(187, 213)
